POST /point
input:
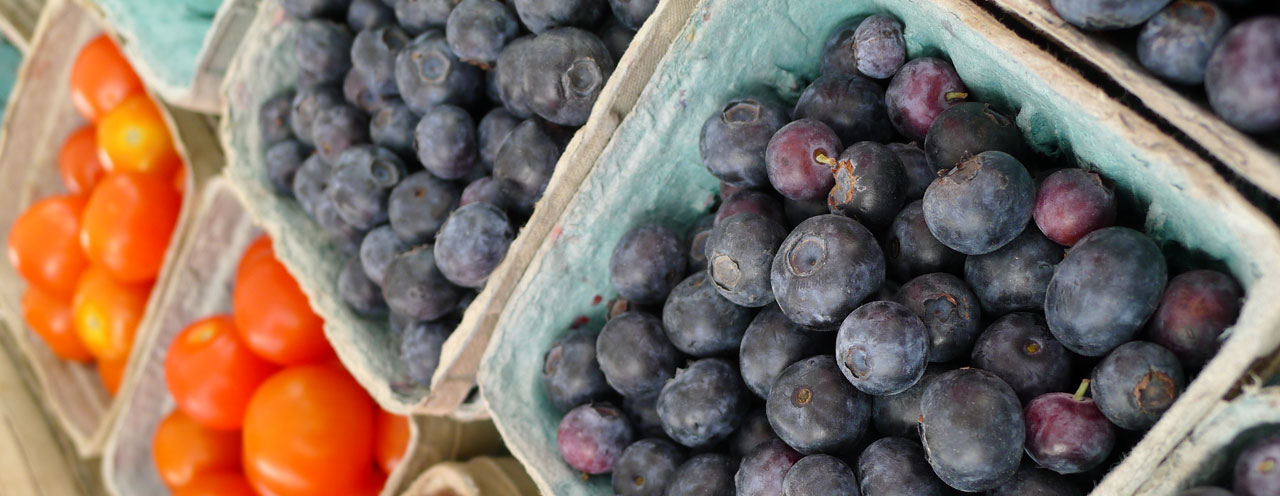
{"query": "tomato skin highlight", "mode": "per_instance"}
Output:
(184, 450)
(212, 375)
(133, 137)
(106, 313)
(44, 244)
(127, 224)
(50, 317)
(101, 78)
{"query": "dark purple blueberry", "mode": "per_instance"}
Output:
(1205, 491)
(392, 127)
(273, 118)
(362, 180)
(526, 161)
(283, 160)
(492, 132)
(824, 268)
(707, 474)
(1256, 473)
(307, 9)
(882, 348)
(770, 344)
(1176, 43)
(899, 414)
(542, 15)
(592, 437)
(1104, 290)
(733, 141)
(878, 46)
(814, 408)
(374, 53)
(919, 173)
(344, 236)
(643, 413)
(700, 321)
(1243, 78)
(635, 355)
(646, 468)
(568, 70)
(307, 105)
(894, 466)
(970, 128)
(703, 404)
(1107, 14)
(445, 142)
(762, 472)
(616, 37)
(1019, 349)
(323, 49)
(1015, 277)
(981, 204)
(753, 431)
(820, 475)
(419, 205)
(369, 14)
(921, 91)
(1196, 307)
(798, 211)
(647, 263)
(697, 239)
(910, 250)
(739, 253)
(972, 429)
(417, 16)
(1136, 383)
(485, 189)
(1067, 434)
(428, 74)
(338, 128)
(478, 29)
(377, 249)
(420, 345)
(1071, 203)
(309, 183)
(633, 13)
(750, 200)
(414, 287)
(1034, 481)
(853, 106)
(949, 311)
(508, 81)
(358, 91)
(358, 291)
(471, 244)
(870, 185)
(838, 50)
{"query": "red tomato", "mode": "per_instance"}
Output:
(44, 246)
(309, 431)
(127, 224)
(106, 313)
(78, 162)
(101, 78)
(212, 374)
(274, 317)
(218, 484)
(373, 485)
(257, 250)
(390, 439)
(111, 372)
(49, 316)
(184, 450)
(133, 137)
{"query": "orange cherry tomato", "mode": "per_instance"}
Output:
(78, 162)
(127, 224)
(133, 137)
(184, 450)
(49, 316)
(112, 373)
(101, 78)
(373, 485)
(212, 374)
(43, 243)
(217, 484)
(180, 180)
(258, 250)
(274, 317)
(309, 431)
(390, 439)
(106, 313)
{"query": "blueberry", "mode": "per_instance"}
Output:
(344, 236)
(428, 73)
(310, 181)
(870, 185)
(307, 9)
(733, 141)
(642, 411)
(1067, 434)
(921, 91)
(472, 242)
(414, 287)
(567, 70)
(972, 429)
(1019, 349)
(1107, 14)
(492, 132)
(635, 355)
(368, 14)
(392, 128)
(445, 142)
(1176, 43)
(1071, 203)
(919, 173)
(816, 475)
(1243, 77)
(1136, 383)
(838, 49)
(815, 410)
(697, 239)
(647, 263)
(283, 160)
(1104, 290)
(420, 346)
(633, 13)
(1205, 491)
(486, 190)
(358, 291)
(740, 253)
(1033, 481)
(703, 404)
(911, 250)
(1015, 277)
(1196, 308)
(337, 128)
(478, 29)
(700, 321)
(516, 60)
(878, 46)
(419, 205)
(770, 344)
(949, 311)
(1255, 473)
(323, 49)
(981, 204)
(707, 474)
(361, 183)
(526, 161)
(761, 473)
(646, 468)
(616, 37)
(377, 249)
(899, 414)
(542, 15)
(307, 105)
(753, 431)
(894, 466)
(417, 16)
(273, 118)
(824, 268)
(967, 129)
(374, 53)
(750, 200)
(358, 91)
(853, 106)
(592, 437)
(882, 348)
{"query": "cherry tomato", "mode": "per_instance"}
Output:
(180, 180)
(112, 373)
(373, 485)
(127, 224)
(212, 374)
(133, 137)
(184, 449)
(309, 431)
(78, 162)
(44, 246)
(101, 78)
(258, 250)
(274, 317)
(390, 439)
(106, 313)
(218, 484)
(49, 316)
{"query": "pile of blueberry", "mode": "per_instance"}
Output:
(903, 320)
(1257, 471)
(1193, 43)
(422, 133)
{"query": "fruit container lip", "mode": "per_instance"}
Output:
(1241, 152)
(18, 21)
(729, 48)
(264, 66)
